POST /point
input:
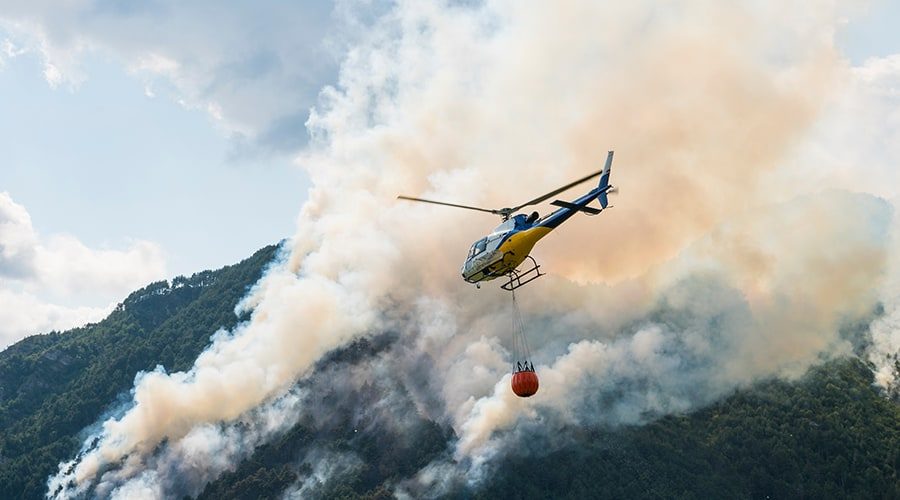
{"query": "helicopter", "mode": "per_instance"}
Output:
(500, 253)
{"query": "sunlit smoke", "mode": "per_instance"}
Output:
(710, 330)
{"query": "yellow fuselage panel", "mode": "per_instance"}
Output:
(510, 254)
(519, 245)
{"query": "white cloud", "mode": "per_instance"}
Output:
(40, 277)
(17, 239)
(256, 69)
(8, 50)
(24, 314)
(882, 74)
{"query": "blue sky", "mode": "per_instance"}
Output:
(162, 136)
(107, 163)
(873, 32)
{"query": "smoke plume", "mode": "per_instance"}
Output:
(697, 282)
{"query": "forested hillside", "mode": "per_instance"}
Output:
(829, 435)
(53, 386)
(832, 435)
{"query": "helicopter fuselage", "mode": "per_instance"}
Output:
(501, 252)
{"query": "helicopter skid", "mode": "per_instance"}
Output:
(522, 278)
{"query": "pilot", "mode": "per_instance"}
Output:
(533, 217)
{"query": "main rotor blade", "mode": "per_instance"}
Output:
(448, 204)
(555, 192)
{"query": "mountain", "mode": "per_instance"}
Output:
(830, 434)
(53, 386)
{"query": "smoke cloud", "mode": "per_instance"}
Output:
(884, 351)
(704, 277)
(710, 331)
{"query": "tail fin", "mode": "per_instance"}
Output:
(604, 181)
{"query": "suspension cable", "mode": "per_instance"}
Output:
(521, 351)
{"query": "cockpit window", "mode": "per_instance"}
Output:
(478, 247)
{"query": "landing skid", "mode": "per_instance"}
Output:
(521, 278)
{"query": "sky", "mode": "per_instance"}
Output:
(125, 128)
(144, 141)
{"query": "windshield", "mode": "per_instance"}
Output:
(478, 247)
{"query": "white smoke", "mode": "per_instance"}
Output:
(884, 351)
(695, 283)
(325, 466)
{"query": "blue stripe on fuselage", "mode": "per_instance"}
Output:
(561, 215)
